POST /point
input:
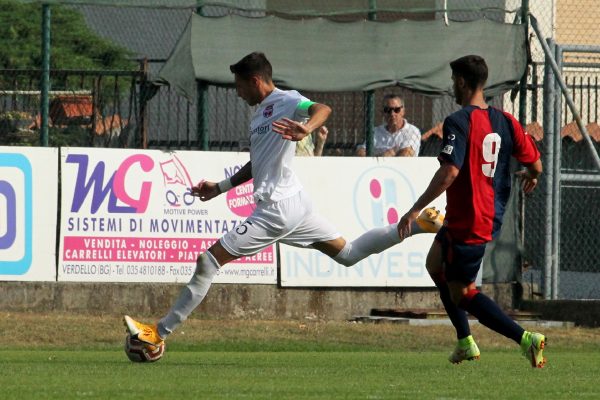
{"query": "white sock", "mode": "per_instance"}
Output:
(191, 295)
(373, 241)
(415, 229)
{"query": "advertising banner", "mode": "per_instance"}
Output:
(129, 216)
(28, 210)
(358, 194)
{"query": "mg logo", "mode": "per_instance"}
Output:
(381, 196)
(15, 214)
(115, 188)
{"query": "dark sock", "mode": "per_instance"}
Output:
(457, 315)
(490, 315)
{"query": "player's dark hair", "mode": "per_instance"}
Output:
(254, 64)
(472, 69)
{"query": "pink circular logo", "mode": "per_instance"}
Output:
(375, 188)
(240, 199)
(380, 193)
(392, 216)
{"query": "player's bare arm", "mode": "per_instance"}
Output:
(206, 190)
(529, 176)
(290, 129)
(295, 131)
(442, 179)
(318, 115)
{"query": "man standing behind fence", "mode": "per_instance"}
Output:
(396, 137)
(478, 142)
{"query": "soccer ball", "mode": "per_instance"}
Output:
(138, 351)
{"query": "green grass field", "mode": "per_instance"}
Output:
(69, 356)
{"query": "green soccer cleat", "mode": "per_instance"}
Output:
(532, 346)
(466, 349)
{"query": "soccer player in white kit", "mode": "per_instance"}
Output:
(283, 210)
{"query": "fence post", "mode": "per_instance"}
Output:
(202, 114)
(202, 107)
(95, 107)
(45, 81)
(556, 177)
(523, 84)
(144, 104)
(370, 96)
(549, 133)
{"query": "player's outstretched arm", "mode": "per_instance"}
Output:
(290, 129)
(295, 131)
(243, 175)
(442, 179)
(318, 115)
(206, 190)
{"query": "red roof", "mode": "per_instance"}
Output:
(70, 106)
(535, 130)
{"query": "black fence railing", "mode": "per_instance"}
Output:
(87, 108)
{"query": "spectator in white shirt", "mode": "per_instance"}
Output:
(396, 137)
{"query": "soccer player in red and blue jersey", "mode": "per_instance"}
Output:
(478, 143)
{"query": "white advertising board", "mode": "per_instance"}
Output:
(28, 210)
(129, 216)
(358, 194)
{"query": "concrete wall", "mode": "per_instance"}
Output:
(582, 312)
(260, 301)
(224, 301)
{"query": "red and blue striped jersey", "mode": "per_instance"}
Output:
(480, 142)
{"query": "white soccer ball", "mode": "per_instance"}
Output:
(139, 351)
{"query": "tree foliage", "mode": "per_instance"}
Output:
(73, 44)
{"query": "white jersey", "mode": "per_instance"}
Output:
(270, 154)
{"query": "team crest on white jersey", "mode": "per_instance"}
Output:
(268, 111)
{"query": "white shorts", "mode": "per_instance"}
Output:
(290, 221)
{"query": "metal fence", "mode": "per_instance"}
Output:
(559, 230)
(575, 174)
(86, 108)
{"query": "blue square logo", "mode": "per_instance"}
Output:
(16, 217)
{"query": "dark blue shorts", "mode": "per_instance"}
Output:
(461, 261)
